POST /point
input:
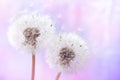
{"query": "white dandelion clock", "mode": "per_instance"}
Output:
(68, 53)
(30, 33)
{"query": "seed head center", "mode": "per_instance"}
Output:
(31, 35)
(66, 55)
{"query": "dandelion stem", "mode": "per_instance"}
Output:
(33, 67)
(58, 76)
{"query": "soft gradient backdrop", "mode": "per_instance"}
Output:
(97, 21)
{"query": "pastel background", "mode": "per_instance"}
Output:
(97, 21)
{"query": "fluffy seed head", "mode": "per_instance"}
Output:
(67, 52)
(30, 32)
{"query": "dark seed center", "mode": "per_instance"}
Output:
(30, 35)
(66, 55)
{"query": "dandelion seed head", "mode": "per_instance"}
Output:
(67, 53)
(30, 32)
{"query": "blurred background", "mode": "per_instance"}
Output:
(97, 21)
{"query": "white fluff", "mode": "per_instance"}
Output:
(30, 20)
(74, 42)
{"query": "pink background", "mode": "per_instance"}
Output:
(97, 21)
